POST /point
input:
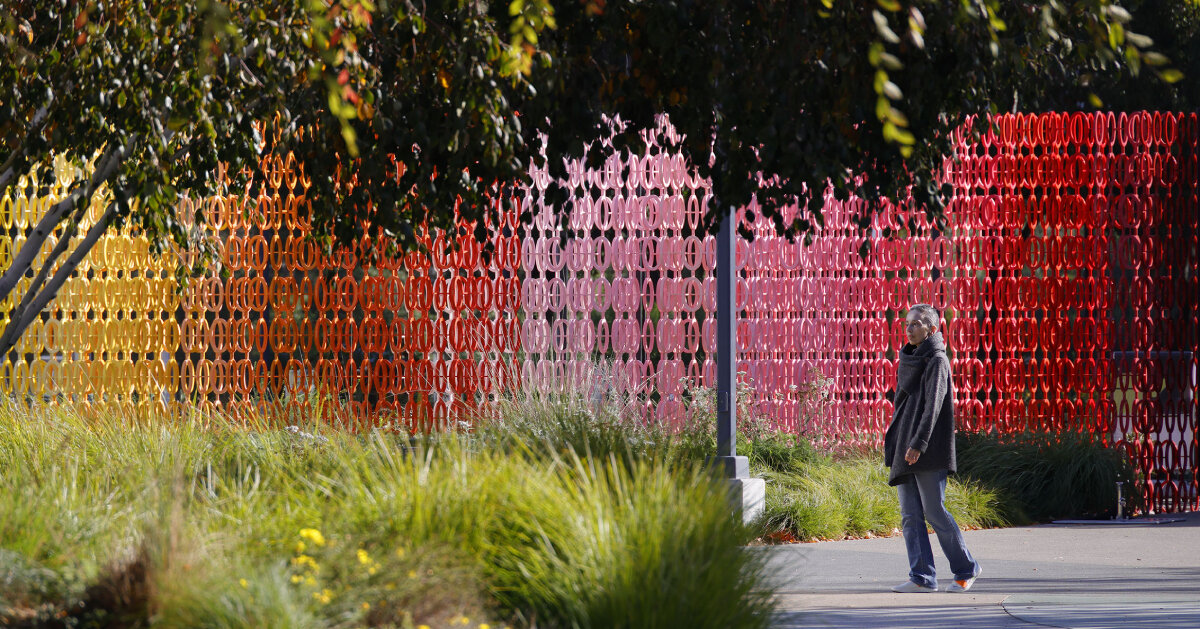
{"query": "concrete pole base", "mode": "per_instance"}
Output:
(749, 497)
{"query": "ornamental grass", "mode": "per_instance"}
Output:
(146, 522)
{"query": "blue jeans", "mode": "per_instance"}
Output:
(923, 497)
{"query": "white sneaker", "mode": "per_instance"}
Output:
(961, 585)
(912, 587)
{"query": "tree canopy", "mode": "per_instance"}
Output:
(154, 101)
(817, 92)
(406, 112)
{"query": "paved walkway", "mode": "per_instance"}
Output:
(1131, 576)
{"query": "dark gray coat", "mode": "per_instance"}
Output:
(924, 417)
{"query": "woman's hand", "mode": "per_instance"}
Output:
(911, 456)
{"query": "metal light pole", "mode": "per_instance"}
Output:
(748, 494)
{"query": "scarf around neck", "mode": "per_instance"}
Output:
(913, 360)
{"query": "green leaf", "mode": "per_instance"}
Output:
(1137, 39)
(882, 105)
(917, 38)
(897, 116)
(879, 57)
(994, 21)
(892, 91)
(889, 132)
(1134, 59)
(1155, 58)
(1116, 36)
(351, 138)
(1171, 75)
(881, 25)
(1118, 13)
(874, 53)
(881, 79)
(893, 133)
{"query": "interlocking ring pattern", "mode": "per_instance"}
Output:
(1066, 268)
(286, 330)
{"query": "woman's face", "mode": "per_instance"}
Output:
(916, 331)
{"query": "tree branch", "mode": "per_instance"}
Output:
(17, 325)
(40, 278)
(22, 261)
(8, 171)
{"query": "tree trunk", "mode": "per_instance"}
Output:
(34, 304)
(37, 236)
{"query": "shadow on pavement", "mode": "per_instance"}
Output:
(899, 618)
(1149, 583)
(1103, 616)
(1189, 520)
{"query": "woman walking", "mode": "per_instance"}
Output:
(919, 449)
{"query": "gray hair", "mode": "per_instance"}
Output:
(926, 314)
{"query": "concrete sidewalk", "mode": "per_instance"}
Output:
(1129, 576)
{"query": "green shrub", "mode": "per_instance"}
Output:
(606, 562)
(807, 511)
(1043, 476)
(26, 583)
(975, 506)
(850, 497)
(810, 493)
(556, 425)
(781, 452)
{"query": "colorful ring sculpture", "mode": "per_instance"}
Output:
(1067, 269)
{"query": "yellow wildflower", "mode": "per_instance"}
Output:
(313, 535)
(363, 557)
(306, 560)
(484, 626)
(309, 580)
(300, 547)
(400, 552)
(296, 578)
(412, 574)
(243, 583)
(324, 596)
(366, 607)
(372, 569)
(422, 626)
